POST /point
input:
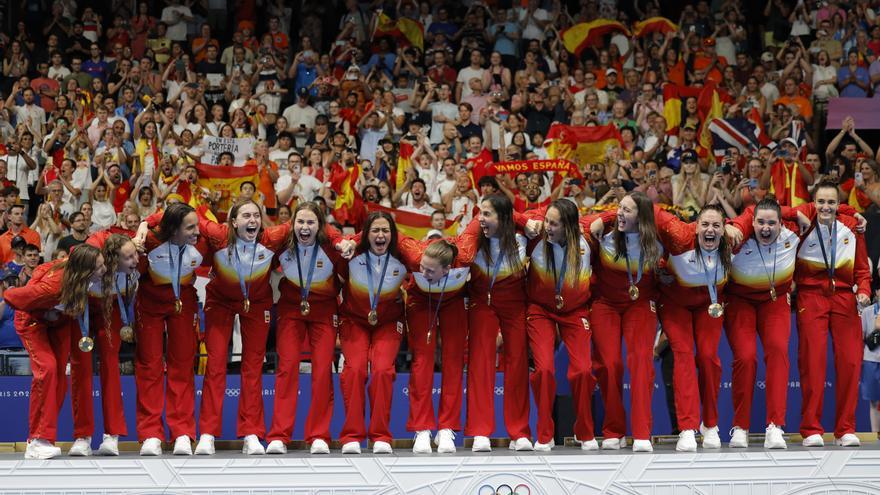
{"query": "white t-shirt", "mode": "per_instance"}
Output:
(306, 189)
(450, 110)
(17, 171)
(441, 186)
(532, 31)
(172, 16)
(464, 77)
(103, 214)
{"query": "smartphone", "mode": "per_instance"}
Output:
(574, 182)
(297, 169)
(753, 183)
(858, 176)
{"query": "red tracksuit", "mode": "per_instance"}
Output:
(365, 345)
(155, 315)
(225, 299)
(107, 343)
(293, 327)
(686, 321)
(543, 317)
(507, 311)
(819, 309)
(752, 312)
(450, 327)
(50, 338)
(615, 315)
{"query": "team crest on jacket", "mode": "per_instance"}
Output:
(267, 316)
(395, 273)
(846, 240)
(319, 264)
(586, 323)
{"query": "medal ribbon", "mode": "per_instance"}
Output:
(374, 297)
(833, 243)
(496, 268)
(711, 284)
(640, 268)
(304, 289)
(764, 264)
(175, 280)
(560, 277)
(126, 306)
(243, 283)
(83, 321)
(433, 322)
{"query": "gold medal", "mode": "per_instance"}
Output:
(633, 292)
(304, 308)
(373, 317)
(716, 310)
(560, 302)
(178, 306)
(772, 293)
(86, 344)
(126, 334)
(489, 299)
(247, 305)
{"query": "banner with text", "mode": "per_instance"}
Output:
(241, 148)
(524, 166)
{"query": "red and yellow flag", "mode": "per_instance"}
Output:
(413, 224)
(348, 209)
(654, 25)
(226, 181)
(587, 34)
(405, 30)
(581, 144)
(710, 105)
(404, 162)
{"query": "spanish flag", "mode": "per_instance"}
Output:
(407, 31)
(226, 181)
(654, 25)
(415, 225)
(581, 144)
(710, 105)
(587, 34)
(349, 208)
(404, 162)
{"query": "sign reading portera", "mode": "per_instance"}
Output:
(523, 166)
(241, 149)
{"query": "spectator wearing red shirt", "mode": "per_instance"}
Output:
(17, 228)
(710, 63)
(441, 73)
(788, 179)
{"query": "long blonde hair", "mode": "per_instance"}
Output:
(78, 268)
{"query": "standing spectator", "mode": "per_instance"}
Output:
(15, 360)
(176, 16)
(853, 79)
(16, 228)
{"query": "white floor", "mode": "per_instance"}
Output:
(566, 470)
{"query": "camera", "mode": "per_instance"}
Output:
(873, 340)
(725, 169)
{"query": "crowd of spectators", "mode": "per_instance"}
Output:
(104, 107)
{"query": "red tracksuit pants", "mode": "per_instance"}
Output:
(636, 323)
(289, 338)
(451, 331)
(817, 312)
(177, 397)
(483, 324)
(363, 345)
(254, 325)
(574, 330)
(685, 328)
(49, 348)
(111, 383)
(771, 321)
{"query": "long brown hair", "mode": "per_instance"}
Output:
(320, 237)
(647, 231)
(110, 251)
(724, 247)
(568, 217)
(232, 233)
(78, 268)
(364, 245)
(172, 220)
(506, 233)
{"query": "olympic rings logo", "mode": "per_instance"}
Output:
(233, 392)
(505, 489)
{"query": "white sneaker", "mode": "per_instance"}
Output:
(320, 447)
(252, 446)
(521, 444)
(205, 446)
(645, 445)
(82, 447)
(814, 440)
(481, 444)
(422, 444)
(739, 438)
(613, 443)
(711, 440)
(183, 445)
(351, 448)
(848, 440)
(687, 442)
(383, 448)
(773, 438)
(588, 445)
(276, 447)
(41, 449)
(445, 441)
(545, 447)
(109, 445)
(151, 446)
